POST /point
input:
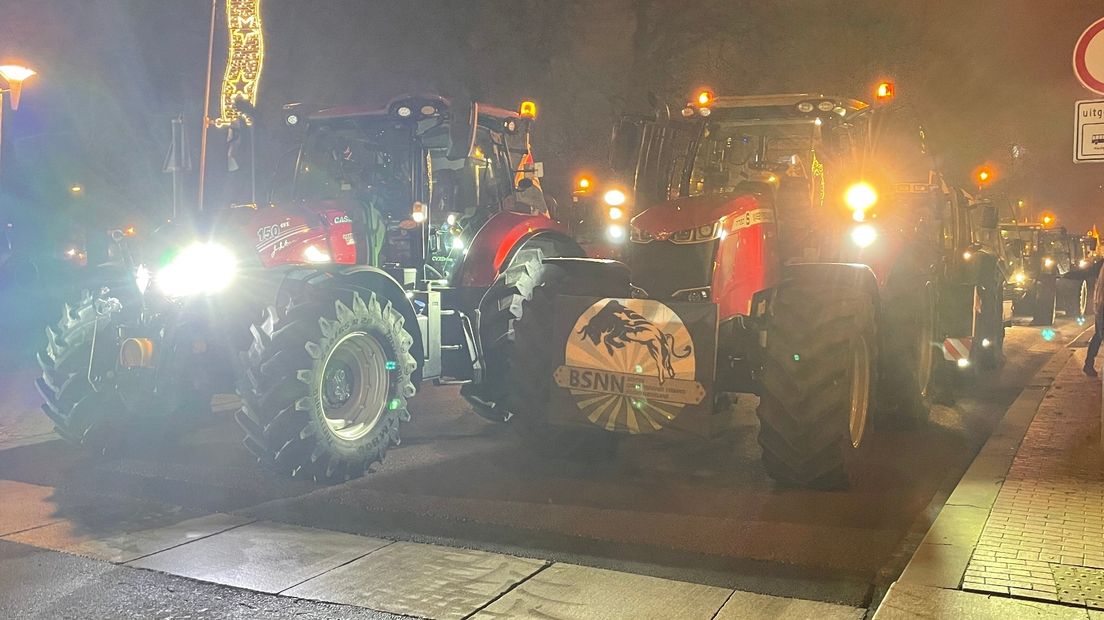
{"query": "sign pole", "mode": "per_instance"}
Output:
(206, 106)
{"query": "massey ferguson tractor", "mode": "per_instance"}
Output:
(798, 247)
(391, 265)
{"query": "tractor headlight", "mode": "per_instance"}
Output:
(616, 233)
(1048, 262)
(615, 213)
(199, 269)
(614, 198)
(142, 277)
(1019, 277)
(859, 198)
(863, 236)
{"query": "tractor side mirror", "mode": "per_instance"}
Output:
(989, 216)
(462, 132)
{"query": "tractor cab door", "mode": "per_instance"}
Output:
(652, 159)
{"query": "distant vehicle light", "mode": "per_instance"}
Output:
(1083, 263)
(963, 362)
(884, 91)
(967, 255)
(805, 106)
(986, 343)
(1048, 262)
(1019, 277)
(615, 213)
(864, 236)
(614, 197)
(860, 196)
(616, 232)
(582, 184)
(818, 122)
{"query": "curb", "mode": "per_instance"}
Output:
(941, 558)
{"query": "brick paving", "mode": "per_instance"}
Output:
(1044, 538)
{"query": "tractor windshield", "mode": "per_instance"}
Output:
(367, 159)
(389, 163)
(737, 152)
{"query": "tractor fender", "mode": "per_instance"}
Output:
(835, 275)
(553, 243)
(498, 241)
(381, 283)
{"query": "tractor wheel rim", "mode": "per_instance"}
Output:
(924, 344)
(355, 386)
(860, 390)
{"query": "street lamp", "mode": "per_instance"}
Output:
(11, 76)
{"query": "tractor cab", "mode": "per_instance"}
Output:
(409, 186)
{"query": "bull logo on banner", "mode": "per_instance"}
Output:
(629, 365)
(616, 326)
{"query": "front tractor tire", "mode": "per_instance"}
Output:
(325, 385)
(818, 383)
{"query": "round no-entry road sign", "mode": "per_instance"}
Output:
(1088, 57)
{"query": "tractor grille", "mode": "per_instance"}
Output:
(662, 268)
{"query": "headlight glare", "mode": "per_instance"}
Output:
(860, 196)
(199, 269)
(614, 197)
(863, 236)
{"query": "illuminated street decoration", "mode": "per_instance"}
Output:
(244, 60)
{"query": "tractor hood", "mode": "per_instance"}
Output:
(666, 219)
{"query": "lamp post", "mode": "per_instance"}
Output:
(11, 81)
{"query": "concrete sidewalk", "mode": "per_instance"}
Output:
(1022, 535)
(396, 577)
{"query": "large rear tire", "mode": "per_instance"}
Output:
(533, 357)
(910, 352)
(817, 384)
(1074, 297)
(325, 385)
(1045, 302)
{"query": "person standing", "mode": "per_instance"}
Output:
(1098, 332)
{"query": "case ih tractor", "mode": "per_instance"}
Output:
(798, 247)
(393, 264)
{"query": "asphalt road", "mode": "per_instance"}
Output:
(696, 510)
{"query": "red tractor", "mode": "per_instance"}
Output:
(393, 263)
(799, 247)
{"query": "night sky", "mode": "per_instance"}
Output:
(984, 74)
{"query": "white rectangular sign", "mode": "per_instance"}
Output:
(1088, 138)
